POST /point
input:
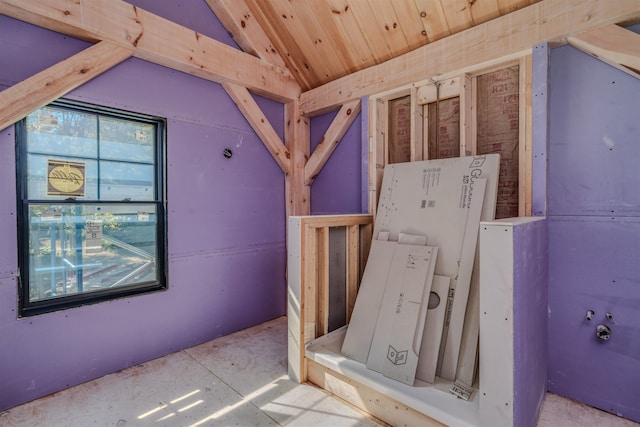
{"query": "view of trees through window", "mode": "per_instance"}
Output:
(92, 203)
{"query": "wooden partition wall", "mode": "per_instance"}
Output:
(308, 290)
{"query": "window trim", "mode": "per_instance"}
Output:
(28, 308)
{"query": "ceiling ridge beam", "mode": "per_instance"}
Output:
(332, 137)
(260, 124)
(612, 44)
(44, 87)
(157, 40)
(507, 36)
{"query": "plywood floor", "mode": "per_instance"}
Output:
(237, 380)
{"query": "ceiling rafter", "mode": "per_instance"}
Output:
(17, 101)
(157, 40)
(239, 21)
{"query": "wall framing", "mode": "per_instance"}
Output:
(462, 83)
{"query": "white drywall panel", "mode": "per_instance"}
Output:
(430, 346)
(405, 311)
(432, 198)
(361, 328)
(407, 277)
(496, 324)
(468, 357)
(462, 283)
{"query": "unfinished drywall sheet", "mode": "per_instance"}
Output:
(399, 328)
(361, 328)
(430, 346)
(513, 298)
(432, 198)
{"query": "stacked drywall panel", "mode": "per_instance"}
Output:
(441, 200)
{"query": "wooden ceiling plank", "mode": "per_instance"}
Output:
(375, 39)
(334, 35)
(390, 26)
(503, 38)
(286, 43)
(433, 19)
(157, 40)
(411, 24)
(458, 14)
(46, 86)
(323, 41)
(288, 50)
(483, 11)
(508, 6)
(612, 44)
(256, 118)
(331, 139)
(238, 20)
(349, 31)
(284, 16)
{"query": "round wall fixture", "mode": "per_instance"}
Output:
(227, 153)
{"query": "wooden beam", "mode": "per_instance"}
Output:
(331, 139)
(238, 20)
(296, 138)
(509, 36)
(260, 124)
(39, 90)
(612, 44)
(157, 40)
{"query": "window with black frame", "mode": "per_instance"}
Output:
(92, 206)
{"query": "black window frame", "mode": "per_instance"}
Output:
(28, 308)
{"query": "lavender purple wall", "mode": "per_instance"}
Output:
(593, 203)
(226, 223)
(338, 187)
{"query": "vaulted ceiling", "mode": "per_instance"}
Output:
(322, 40)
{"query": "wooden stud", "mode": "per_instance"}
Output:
(353, 268)
(310, 284)
(466, 116)
(46, 86)
(417, 136)
(322, 269)
(526, 135)
(331, 139)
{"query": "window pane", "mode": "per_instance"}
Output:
(82, 248)
(120, 181)
(39, 167)
(62, 132)
(126, 140)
